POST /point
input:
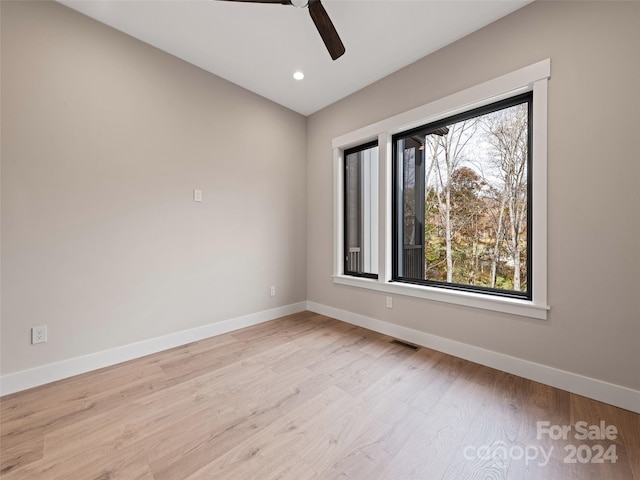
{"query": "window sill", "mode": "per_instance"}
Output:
(512, 306)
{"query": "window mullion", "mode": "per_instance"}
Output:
(384, 207)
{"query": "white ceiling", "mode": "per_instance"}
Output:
(260, 46)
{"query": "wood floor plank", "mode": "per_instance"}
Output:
(259, 455)
(428, 453)
(242, 420)
(485, 450)
(64, 404)
(373, 369)
(303, 397)
(437, 382)
(550, 405)
(630, 437)
(122, 426)
(588, 465)
(334, 430)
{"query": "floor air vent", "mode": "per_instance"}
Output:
(410, 346)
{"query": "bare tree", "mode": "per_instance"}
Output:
(446, 152)
(507, 133)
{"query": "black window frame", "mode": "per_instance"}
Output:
(345, 208)
(397, 215)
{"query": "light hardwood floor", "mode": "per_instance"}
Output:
(306, 397)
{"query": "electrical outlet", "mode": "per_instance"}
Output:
(39, 334)
(389, 302)
(273, 290)
(197, 195)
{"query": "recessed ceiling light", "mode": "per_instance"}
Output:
(298, 75)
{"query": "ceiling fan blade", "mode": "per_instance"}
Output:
(282, 2)
(326, 29)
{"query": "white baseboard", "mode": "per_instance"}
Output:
(22, 380)
(612, 394)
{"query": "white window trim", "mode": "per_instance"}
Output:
(531, 78)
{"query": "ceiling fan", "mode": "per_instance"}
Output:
(320, 18)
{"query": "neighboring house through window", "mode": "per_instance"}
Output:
(361, 211)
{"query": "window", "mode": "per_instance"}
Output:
(423, 211)
(462, 212)
(361, 211)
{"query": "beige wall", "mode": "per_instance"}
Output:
(593, 327)
(103, 140)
